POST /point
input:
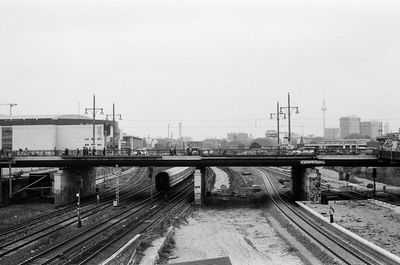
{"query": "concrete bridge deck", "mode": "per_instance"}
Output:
(196, 161)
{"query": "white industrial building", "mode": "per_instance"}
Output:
(60, 132)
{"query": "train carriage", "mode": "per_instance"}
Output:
(168, 178)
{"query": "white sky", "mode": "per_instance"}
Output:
(216, 66)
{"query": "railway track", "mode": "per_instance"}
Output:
(139, 226)
(106, 196)
(14, 243)
(82, 247)
(344, 248)
(347, 194)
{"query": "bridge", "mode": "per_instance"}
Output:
(74, 167)
(198, 161)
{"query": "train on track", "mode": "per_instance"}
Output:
(168, 178)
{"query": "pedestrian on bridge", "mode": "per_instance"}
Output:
(331, 212)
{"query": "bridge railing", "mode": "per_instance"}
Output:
(198, 152)
(389, 155)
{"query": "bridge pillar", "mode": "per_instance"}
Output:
(306, 184)
(313, 185)
(203, 184)
(298, 180)
(67, 183)
(199, 186)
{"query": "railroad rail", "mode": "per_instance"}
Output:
(138, 226)
(106, 197)
(43, 226)
(344, 248)
(350, 194)
(103, 231)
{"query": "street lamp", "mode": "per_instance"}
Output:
(289, 110)
(277, 115)
(113, 116)
(94, 111)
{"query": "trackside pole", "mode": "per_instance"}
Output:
(78, 209)
(374, 177)
(116, 202)
(150, 170)
(1, 186)
(10, 180)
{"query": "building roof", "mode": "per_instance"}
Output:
(132, 137)
(44, 117)
(65, 119)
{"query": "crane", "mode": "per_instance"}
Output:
(11, 106)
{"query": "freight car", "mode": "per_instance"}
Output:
(168, 178)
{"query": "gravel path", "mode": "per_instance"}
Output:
(243, 234)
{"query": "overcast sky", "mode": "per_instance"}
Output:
(216, 66)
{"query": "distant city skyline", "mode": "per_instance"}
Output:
(237, 125)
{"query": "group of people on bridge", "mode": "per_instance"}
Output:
(85, 152)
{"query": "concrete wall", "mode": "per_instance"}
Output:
(67, 184)
(46, 137)
(78, 136)
(34, 137)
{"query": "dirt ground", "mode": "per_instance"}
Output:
(376, 223)
(247, 234)
(14, 214)
(244, 234)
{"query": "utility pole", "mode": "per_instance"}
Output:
(289, 111)
(11, 106)
(94, 111)
(277, 115)
(113, 117)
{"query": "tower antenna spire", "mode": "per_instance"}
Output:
(324, 108)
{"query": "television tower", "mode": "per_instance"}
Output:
(324, 108)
